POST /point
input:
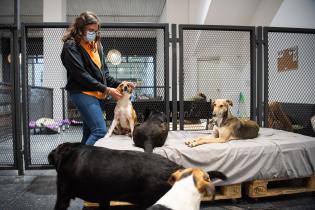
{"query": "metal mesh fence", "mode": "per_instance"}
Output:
(45, 78)
(52, 118)
(6, 101)
(216, 63)
(142, 61)
(290, 75)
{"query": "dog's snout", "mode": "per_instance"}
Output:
(125, 88)
(214, 114)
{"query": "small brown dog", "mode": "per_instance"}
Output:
(125, 116)
(227, 127)
(277, 118)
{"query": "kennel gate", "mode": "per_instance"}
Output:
(229, 51)
(218, 61)
(10, 123)
(289, 79)
(144, 60)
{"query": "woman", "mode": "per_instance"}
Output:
(88, 79)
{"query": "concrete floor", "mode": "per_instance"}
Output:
(36, 190)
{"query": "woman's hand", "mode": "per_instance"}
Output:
(114, 93)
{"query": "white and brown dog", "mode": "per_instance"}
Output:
(125, 116)
(189, 187)
(226, 126)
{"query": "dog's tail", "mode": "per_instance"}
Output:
(147, 146)
(216, 175)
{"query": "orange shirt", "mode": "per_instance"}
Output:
(94, 55)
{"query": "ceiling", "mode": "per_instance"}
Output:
(107, 10)
(119, 10)
(221, 12)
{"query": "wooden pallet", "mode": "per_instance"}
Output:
(119, 203)
(226, 192)
(274, 187)
(112, 203)
(222, 192)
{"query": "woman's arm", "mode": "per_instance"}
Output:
(72, 60)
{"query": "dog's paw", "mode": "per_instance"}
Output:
(191, 143)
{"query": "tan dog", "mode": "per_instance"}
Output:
(189, 187)
(227, 127)
(125, 116)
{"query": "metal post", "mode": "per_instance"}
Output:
(174, 77)
(181, 79)
(17, 134)
(259, 42)
(265, 75)
(166, 72)
(25, 102)
(63, 104)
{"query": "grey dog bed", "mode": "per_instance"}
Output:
(273, 154)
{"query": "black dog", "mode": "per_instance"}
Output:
(152, 132)
(101, 175)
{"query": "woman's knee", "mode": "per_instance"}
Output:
(99, 132)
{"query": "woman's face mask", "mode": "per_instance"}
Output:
(90, 36)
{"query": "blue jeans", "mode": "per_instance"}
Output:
(94, 126)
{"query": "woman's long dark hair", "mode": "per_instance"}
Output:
(75, 31)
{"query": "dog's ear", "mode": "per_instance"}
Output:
(147, 113)
(216, 175)
(133, 85)
(120, 87)
(202, 95)
(172, 179)
(55, 156)
(51, 157)
(208, 189)
(175, 176)
(164, 117)
(229, 102)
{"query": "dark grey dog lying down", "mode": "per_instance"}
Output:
(152, 132)
(100, 175)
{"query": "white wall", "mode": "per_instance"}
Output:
(54, 11)
(231, 12)
(295, 85)
(184, 12)
(175, 12)
(295, 13)
(54, 73)
(198, 10)
(265, 12)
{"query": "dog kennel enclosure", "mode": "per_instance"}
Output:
(252, 66)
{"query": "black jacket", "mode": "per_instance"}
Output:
(82, 73)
